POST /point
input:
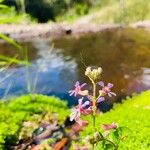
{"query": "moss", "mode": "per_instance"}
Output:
(132, 113)
(17, 110)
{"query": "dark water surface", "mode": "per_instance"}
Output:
(124, 55)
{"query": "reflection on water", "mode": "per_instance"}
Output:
(124, 56)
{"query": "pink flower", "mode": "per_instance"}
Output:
(107, 127)
(80, 109)
(78, 90)
(106, 90)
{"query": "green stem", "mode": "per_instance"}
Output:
(94, 109)
(115, 146)
(94, 105)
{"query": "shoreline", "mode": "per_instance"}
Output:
(23, 32)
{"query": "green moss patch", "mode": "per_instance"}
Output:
(134, 113)
(32, 108)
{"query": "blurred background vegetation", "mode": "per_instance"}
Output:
(102, 11)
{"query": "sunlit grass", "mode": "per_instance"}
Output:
(134, 114)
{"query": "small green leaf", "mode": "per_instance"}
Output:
(123, 131)
(13, 60)
(3, 6)
(11, 41)
(115, 136)
(108, 147)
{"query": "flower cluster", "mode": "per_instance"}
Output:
(93, 73)
(78, 90)
(80, 109)
(89, 106)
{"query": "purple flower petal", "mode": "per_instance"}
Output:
(80, 101)
(71, 92)
(110, 85)
(89, 97)
(112, 93)
(75, 94)
(101, 99)
(109, 94)
(106, 90)
(101, 83)
(77, 90)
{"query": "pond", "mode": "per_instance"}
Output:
(124, 55)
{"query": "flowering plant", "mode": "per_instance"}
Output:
(112, 134)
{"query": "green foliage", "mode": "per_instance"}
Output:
(9, 14)
(11, 41)
(75, 12)
(19, 53)
(26, 108)
(132, 114)
(81, 9)
(122, 11)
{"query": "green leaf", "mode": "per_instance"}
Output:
(104, 145)
(109, 147)
(123, 131)
(11, 41)
(114, 136)
(3, 6)
(13, 60)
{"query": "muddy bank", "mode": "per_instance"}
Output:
(53, 31)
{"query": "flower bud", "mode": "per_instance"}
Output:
(93, 73)
(87, 139)
(96, 136)
(101, 93)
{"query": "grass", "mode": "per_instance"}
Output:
(134, 114)
(111, 11)
(129, 11)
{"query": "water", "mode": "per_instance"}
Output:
(124, 55)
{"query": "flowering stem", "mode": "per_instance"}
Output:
(94, 104)
(94, 109)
